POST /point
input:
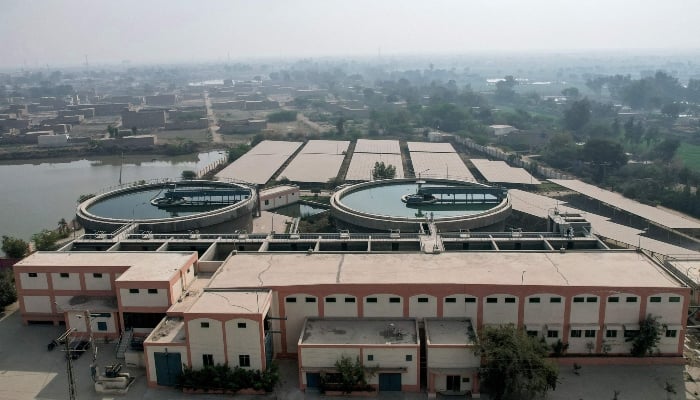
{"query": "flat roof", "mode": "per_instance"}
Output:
(277, 189)
(377, 146)
(142, 266)
(170, 330)
(325, 147)
(501, 172)
(313, 167)
(85, 303)
(362, 164)
(449, 331)
(269, 147)
(359, 331)
(653, 214)
(253, 168)
(440, 165)
(231, 302)
(431, 147)
(540, 206)
(605, 268)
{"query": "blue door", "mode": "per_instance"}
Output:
(168, 368)
(389, 382)
(313, 380)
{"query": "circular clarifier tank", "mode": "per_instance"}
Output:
(406, 203)
(171, 207)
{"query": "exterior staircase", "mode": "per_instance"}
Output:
(124, 342)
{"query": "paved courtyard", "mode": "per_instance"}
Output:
(29, 371)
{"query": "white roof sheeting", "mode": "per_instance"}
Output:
(440, 165)
(253, 168)
(653, 214)
(430, 147)
(377, 146)
(317, 168)
(362, 164)
(540, 206)
(501, 172)
(275, 147)
(325, 147)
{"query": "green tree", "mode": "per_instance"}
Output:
(45, 240)
(238, 151)
(604, 152)
(14, 247)
(578, 115)
(571, 92)
(504, 88)
(666, 150)
(514, 365)
(340, 126)
(8, 293)
(382, 171)
(646, 340)
(188, 175)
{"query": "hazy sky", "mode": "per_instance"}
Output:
(41, 32)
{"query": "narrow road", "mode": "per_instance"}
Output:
(213, 127)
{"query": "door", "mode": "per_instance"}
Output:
(269, 348)
(453, 382)
(168, 368)
(390, 382)
(313, 380)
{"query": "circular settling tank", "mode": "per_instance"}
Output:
(171, 207)
(406, 203)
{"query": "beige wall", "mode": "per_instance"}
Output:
(460, 308)
(38, 282)
(422, 310)
(93, 283)
(545, 311)
(244, 341)
(500, 313)
(585, 312)
(385, 357)
(340, 308)
(72, 282)
(205, 341)
(143, 298)
(296, 313)
(622, 312)
(452, 357)
(383, 307)
(37, 304)
(669, 313)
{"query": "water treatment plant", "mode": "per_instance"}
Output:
(172, 207)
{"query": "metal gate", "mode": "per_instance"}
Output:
(168, 368)
(313, 380)
(389, 382)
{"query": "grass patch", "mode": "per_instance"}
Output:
(690, 155)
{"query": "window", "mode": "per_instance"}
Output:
(590, 333)
(291, 300)
(655, 299)
(578, 299)
(64, 275)
(510, 299)
(555, 299)
(32, 274)
(552, 334)
(491, 300)
(631, 334)
(422, 299)
(674, 299)
(133, 291)
(532, 333)
(450, 300)
(671, 333)
(267, 202)
(97, 275)
(102, 326)
(244, 360)
(534, 299)
(395, 300)
(470, 299)
(242, 325)
(204, 324)
(371, 299)
(330, 299)
(575, 333)
(611, 333)
(208, 360)
(591, 299)
(613, 299)
(631, 299)
(409, 357)
(370, 357)
(310, 299)
(349, 299)
(152, 291)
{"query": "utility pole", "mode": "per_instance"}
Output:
(64, 339)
